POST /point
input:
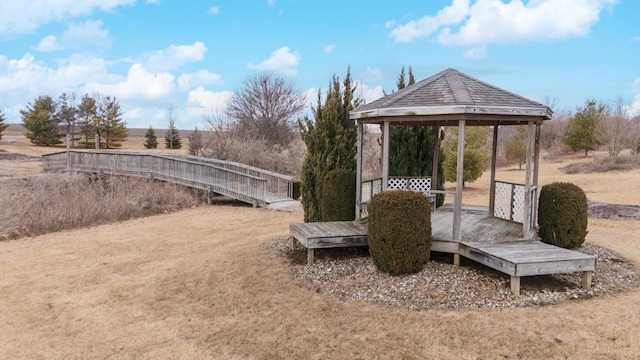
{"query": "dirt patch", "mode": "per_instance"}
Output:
(613, 211)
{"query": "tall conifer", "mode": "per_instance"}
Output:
(331, 142)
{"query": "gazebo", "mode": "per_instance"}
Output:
(451, 98)
(501, 236)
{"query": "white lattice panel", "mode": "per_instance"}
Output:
(420, 184)
(397, 184)
(366, 191)
(518, 203)
(502, 204)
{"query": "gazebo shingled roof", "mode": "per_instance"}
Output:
(450, 96)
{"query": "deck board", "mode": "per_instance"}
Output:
(493, 242)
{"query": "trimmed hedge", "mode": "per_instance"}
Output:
(562, 215)
(399, 231)
(338, 201)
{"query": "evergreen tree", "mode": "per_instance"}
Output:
(516, 148)
(331, 142)
(109, 124)
(66, 115)
(582, 129)
(3, 126)
(172, 137)
(39, 121)
(87, 112)
(475, 154)
(411, 148)
(196, 143)
(151, 139)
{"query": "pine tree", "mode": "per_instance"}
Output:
(475, 154)
(39, 121)
(411, 148)
(331, 142)
(582, 129)
(151, 139)
(87, 112)
(196, 143)
(172, 137)
(66, 115)
(109, 124)
(3, 126)
(516, 148)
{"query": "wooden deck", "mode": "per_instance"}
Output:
(493, 242)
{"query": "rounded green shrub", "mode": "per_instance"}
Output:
(562, 215)
(399, 231)
(338, 201)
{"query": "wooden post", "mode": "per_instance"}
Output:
(385, 155)
(436, 160)
(68, 152)
(586, 279)
(536, 170)
(359, 148)
(309, 256)
(515, 285)
(457, 211)
(526, 221)
(492, 184)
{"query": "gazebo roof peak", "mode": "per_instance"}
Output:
(451, 92)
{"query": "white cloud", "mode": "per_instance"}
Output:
(77, 36)
(329, 48)
(173, 56)
(366, 93)
(155, 2)
(452, 14)
(635, 38)
(200, 101)
(372, 74)
(21, 17)
(139, 84)
(493, 21)
(271, 2)
(202, 77)
(389, 24)
(48, 44)
(478, 52)
(214, 10)
(281, 61)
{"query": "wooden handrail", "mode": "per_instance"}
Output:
(233, 179)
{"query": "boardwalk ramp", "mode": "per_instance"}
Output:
(242, 182)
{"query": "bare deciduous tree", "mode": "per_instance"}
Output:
(617, 130)
(265, 107)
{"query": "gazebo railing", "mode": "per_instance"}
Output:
(510, 202)
(374, 186)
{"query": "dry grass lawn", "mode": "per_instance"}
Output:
(199, 284)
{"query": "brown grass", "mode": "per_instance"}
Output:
(200, 284)
(54, 202)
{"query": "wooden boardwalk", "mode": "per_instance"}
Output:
(242, 182)
(493, 242)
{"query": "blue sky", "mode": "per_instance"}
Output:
(195, 54)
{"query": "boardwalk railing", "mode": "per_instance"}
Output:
(241, 182)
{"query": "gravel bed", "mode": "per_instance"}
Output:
(350, 275)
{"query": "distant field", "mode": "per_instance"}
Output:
(135, 142)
